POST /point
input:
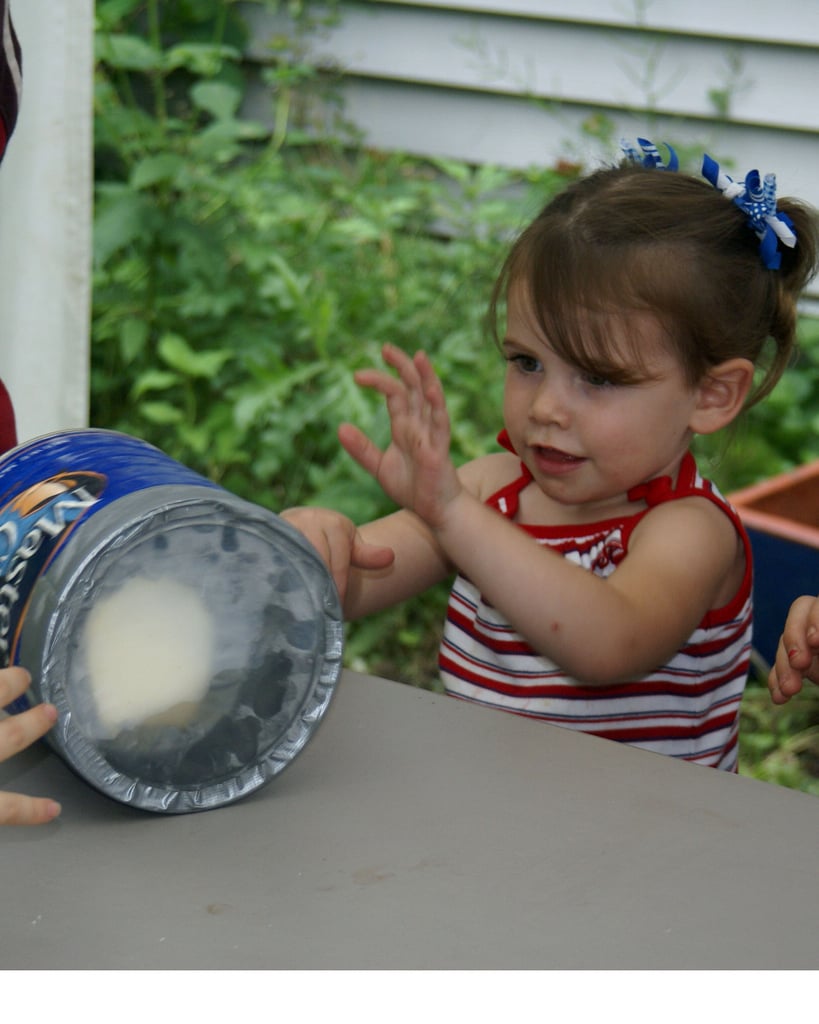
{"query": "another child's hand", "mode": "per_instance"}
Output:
(337, 540)
(797, 656)
(16, 733)
(415, 470)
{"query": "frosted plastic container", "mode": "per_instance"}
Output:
(190, 640)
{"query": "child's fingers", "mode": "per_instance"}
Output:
(16, 733)
(399, 399)
(429, 379)
(385, 383)
(403, 364)
(399, 361)
(791, 667)
(14, 681)
(359, 447)
(412, 392)
(413, 388)
(19, 731)
(16, 809)
(370, 556)
(418, 376)
(356, 554)
(433, 393)
(811, 619)
(311, 524)
(335, 548)
(800, 636)
(783, 684)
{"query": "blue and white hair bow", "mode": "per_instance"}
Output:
(650, 156)
(757, 200)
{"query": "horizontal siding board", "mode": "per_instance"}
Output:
(788, 21)
(488, 81)
(514, 132)
(569, 63)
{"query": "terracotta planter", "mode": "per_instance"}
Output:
(781, 515)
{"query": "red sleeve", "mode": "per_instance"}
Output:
(11, 76)
(8, 428)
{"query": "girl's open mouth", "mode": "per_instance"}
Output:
(555, 461)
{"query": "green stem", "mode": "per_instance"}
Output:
(157, 76)
(219, 28)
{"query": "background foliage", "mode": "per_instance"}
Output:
(242, 274)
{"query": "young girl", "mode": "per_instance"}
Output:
(601, 583)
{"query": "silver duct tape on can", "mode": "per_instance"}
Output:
(190, 640)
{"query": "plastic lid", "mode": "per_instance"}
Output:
(192, 654)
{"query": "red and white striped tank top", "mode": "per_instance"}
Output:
(687, 708)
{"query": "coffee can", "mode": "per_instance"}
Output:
(190, 640)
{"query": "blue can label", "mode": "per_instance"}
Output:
(50, 485)
(32, 527)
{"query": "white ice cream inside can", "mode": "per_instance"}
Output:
(149, 652)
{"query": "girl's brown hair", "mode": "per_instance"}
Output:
(631, 239)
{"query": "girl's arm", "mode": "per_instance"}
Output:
(600, 631)
(418, 564)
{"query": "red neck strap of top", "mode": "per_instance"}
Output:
(652, 492)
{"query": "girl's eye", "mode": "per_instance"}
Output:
(524, 363)
(595, 380)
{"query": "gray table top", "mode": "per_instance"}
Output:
(418, 832)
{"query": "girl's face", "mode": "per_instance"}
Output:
(586, 440)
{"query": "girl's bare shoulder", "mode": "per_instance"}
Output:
(695, 519)
(487, 474)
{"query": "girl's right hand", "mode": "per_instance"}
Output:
(339, 543)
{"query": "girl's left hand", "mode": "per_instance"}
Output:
(415, 470)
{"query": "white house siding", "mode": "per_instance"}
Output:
(514, 82)
(45, 214)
